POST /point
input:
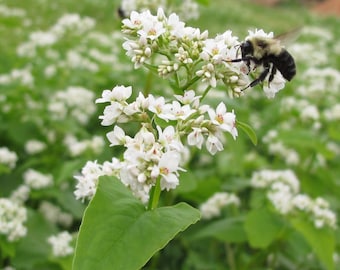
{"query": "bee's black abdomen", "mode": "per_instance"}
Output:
(285, 63)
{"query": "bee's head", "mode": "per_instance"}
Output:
(247, 48)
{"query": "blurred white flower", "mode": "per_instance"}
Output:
(213, 206)
(34, 146)
(37, 180)
(12, 219)
(7, 157)
(61, 244)
(54, 214)
(21, 194)
(283, 192)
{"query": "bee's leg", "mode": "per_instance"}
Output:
(261, 78)
(272, 74)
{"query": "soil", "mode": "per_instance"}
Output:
(328, 7)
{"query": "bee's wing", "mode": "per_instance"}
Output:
(289, 37)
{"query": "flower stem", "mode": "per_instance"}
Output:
(205, 92)
(155, 194)
(148, 83)
(191, 82)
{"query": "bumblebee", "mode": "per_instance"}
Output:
(269, 53)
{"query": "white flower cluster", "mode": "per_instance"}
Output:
(212, 207)
(187, 49)
(155, 152)
(37, 180)
(66, 24)
(12, 219)
(20, 76)
(20, 194)
(77, 147)
(75, 101)
(186, 9)
(88, 179)
(54, 214)
(7, 157)
(6, 11)
(283, 192)
(278, 149)
(61, 244)
(34, 146)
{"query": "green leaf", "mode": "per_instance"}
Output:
(248, 130)
(117, 231)
(262, 227)
(33, 250)
(228, 230)
(321, 240)
(188, 182)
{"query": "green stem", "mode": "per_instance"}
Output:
(155, 194)
(191, 82)
(148, 83)
(230, 257)
(205, 92)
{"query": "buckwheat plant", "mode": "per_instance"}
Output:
(283, 191)
(187, 58)
(155, 136)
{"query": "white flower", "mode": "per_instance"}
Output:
(54, 214)
(160, 108)
(181, 112)
(8, 157)
(228, 39)
(111, 114)
(34, 146)
(88, 180)
(310, 112)
(169, 139)
(117, 136)
(259, 33)
(12, 219)
(118, 93)
(168, 167)
(135, 20)
(226, 121)
(37, 180)
(61, 244)
(275, 85)
(112, 168)
(281, 196)
(214, 51)
(151, 29)
(212, 207)
(196, 137)
(21, 194)
(213, 144)
(175, 26)
(188, 97)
